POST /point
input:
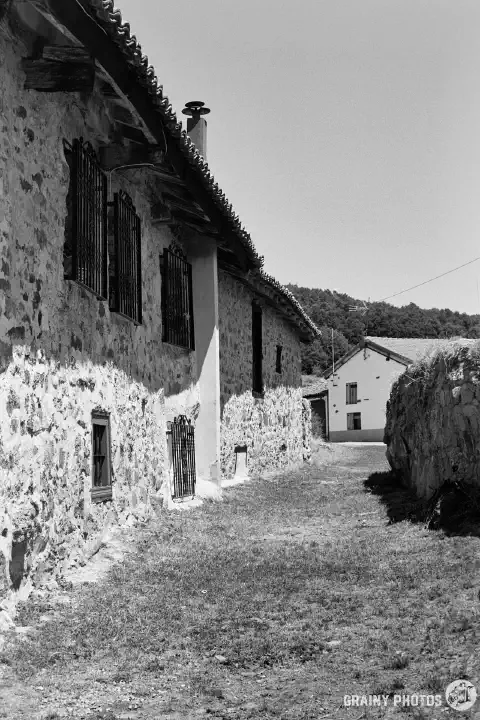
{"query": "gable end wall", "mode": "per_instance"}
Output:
(374, 375)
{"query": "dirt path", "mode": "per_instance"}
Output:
(273, 604)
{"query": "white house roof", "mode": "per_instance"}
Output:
(403, 350)
(410, 348)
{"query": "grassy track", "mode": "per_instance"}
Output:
(275, 603)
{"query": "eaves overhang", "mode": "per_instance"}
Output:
(99, 27)
(278, 297)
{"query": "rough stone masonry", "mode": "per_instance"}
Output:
(276, 428)
(433, 419)
(62, 353)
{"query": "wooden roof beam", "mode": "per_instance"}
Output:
(60, 69)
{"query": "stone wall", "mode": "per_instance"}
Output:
(62, 353)
(433, 419)
(275, 428)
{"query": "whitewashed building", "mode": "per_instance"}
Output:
(359, 387)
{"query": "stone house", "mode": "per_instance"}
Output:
(315, 390)
(143, 350)
(360, 385)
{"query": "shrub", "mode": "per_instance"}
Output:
(318, 426)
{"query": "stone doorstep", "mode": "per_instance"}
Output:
(240, 480)
(181, 505)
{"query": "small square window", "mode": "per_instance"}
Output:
(101, 468)
(279, 359)
(354, 421)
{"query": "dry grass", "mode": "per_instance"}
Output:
(233, 607)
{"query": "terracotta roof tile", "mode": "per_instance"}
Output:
(292, 300)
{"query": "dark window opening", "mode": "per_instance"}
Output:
(354, 421)
(183, 457)
(125, 291)
(85, 251)
(101, 470)
(257, 349)
(351, 393)
(177, 299)
(278, 367)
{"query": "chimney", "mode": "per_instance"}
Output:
(197, 125)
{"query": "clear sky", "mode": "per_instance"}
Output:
(346, 133)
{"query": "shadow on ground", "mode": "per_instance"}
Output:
(456, 511)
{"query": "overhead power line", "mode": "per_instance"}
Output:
(431, 280)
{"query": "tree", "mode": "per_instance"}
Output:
(330, 310)
(318, 357)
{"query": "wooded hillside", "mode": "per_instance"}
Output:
(330, 310)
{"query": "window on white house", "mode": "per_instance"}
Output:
(101, 468)
(354, 421)
(351, 393)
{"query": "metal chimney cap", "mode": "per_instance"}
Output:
(195, 107)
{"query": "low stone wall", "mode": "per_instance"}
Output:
(433, 419)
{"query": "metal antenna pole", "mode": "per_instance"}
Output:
(333, 357)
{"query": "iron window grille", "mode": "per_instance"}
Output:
(257, 349)
(101, 464)
(354, 421)
(278, 365)
(177, 299)
(351, 394)
(125, 289)
(183, 457)
(86, 247)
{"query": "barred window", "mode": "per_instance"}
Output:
(182, 435)
(257, 349)
(85, 252)
(177, 300)
(101, 471)
(125, 289)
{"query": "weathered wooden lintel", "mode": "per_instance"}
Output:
(60, 69)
